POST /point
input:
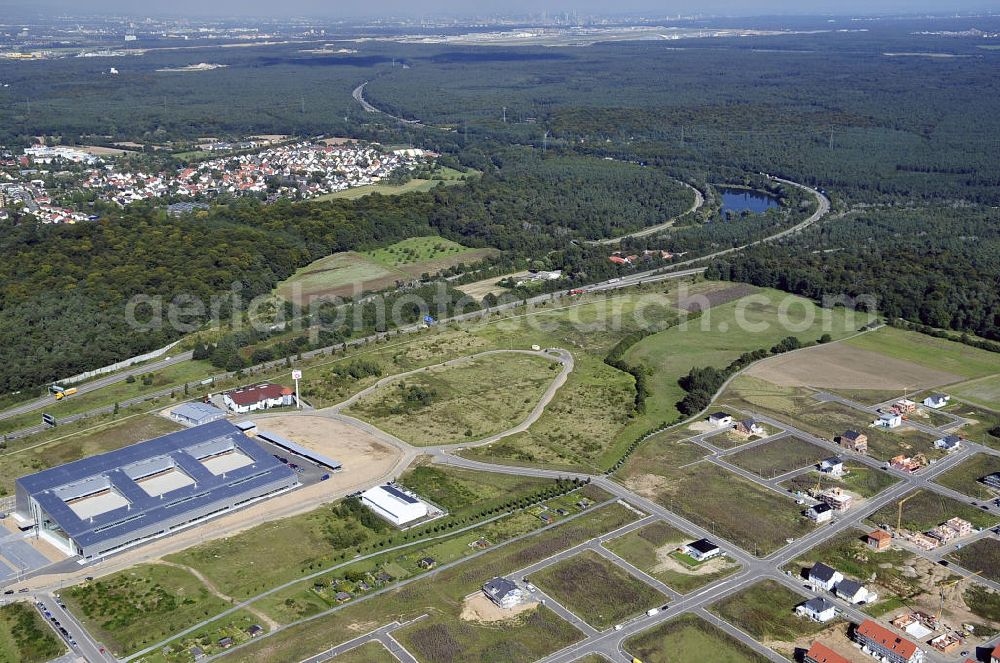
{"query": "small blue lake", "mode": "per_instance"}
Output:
(737, 201)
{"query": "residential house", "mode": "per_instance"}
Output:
(254, 630)
(720, 419)
(259, 397)
(855, 441)
(905, 463)
(878, 540)
(833, 466)
(837, 499)
(226, 642)
(854, 592)
(949, 443)
(995, 655)
(992, 480)
(817, 609)
(880, 642)
(888, 420)
(943, 533)
(702, 550)
(197, 653)
(961, 527)
(427, 563)
(937, 401)
(820, 653)
(748, 427)
(819, 513)
(923, 541)
(823, 577)
(503, 592)
(342, 597)
(904, 406)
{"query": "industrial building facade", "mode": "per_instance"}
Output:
(102, 504)
(394, 504)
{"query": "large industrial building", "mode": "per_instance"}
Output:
(102, 504)
(394, 504)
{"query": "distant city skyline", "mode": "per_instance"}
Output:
(375, 8)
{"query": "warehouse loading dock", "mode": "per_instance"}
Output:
(299, 450)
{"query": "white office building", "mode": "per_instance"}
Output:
(396, 505)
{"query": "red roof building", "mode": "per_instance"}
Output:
(820, 653)
(887, 644)
(258, 397)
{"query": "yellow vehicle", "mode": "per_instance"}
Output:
(64, 393)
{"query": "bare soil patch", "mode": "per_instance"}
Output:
(477, 608)
(842, 366)
(712, 298)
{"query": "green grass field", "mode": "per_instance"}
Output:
(461, 403)
(723, 333)
(983, 391)
(688, 639)
(176, 375)
(370, 652)
(666, 470)
(860, 479)
(442, 596)
(25, 637)
(936, 353)
(444, 175)
(766, 611)
(141, 606)
(927, 509)
(778, 457)
(596, 590)
(349, 273)
(965, 477)
(649, 548)
(981, 556)
(465, 491)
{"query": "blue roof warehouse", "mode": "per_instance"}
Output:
(102, 504)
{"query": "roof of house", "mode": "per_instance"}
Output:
(849, 587)
(880, 535)
(703, 546)
(886, 638)
(197, 411)
(937, 397)
(822, 507)
(834, 460)
(719, 415)
(261, 392)
(822, 572)
(823, 654)
(499, 587)
(818, 604)
(852, 435)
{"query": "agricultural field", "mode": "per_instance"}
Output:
(370, 652)
(925, 509)
(982, 556)
(25, 637)
(444, 175)
(66, 448)
(860, 480)
(933, 353)
(443, 596)
(685, 640)
(982, 391)
(461, 403)
(596, 590)
(652, 549)
(723, 332)
(349, 273)
(766, 611)
(479, 289)
(667, 472)
(965, 477)
(778, 457)
(824, 419)
(138, 607)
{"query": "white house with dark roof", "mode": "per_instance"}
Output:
(936, 401)
(854, 592)
(833, 466)
(702, 550)
(503, 592)
(824, 577)
(819, 513)
(817, 609)
(720, 419)
(949, 443)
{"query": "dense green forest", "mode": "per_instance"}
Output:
(594, 142)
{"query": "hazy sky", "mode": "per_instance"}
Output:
(335, 8)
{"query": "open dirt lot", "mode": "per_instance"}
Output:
(479, 289)
(841, 366)
(364, 457)
(478, 608)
